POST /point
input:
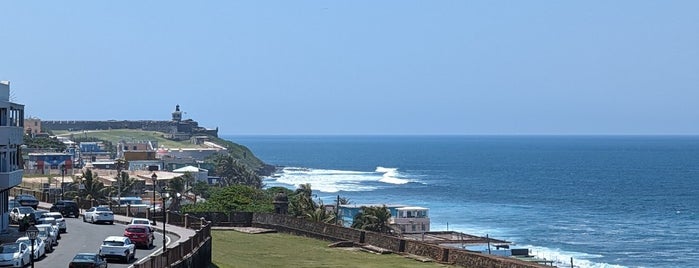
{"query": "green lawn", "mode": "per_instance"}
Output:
(235, 249)
(115, 135)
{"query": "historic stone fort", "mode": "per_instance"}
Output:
(175, 129)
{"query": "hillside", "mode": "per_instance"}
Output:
(115, 135)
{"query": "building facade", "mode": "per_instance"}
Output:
(12, 137)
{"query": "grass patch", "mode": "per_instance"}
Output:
(235, 249)
(116, 135)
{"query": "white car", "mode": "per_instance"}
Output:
(99, 214)
(47, 233)
(39, 247)
(143, 221)
(60, 221)
(118, 247)
(15, 254)
(52, 222)
(17, 213)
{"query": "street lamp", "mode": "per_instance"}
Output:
(32, 233)
(155, 180)
(163, 195)
(63, 175)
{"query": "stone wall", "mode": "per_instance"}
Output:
(189, 127)
(438, 253)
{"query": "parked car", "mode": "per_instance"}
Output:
(52, 222)
(143, 221)
(66, 208)
(39, 247)
(99, 214)
(15, 254)
(27, 200)
(88, 260)
(49, 235)
(38, 214)
(60, 221)
(118, 247)
(140, 234)
(18, 213)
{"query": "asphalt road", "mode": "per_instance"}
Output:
(87, 237)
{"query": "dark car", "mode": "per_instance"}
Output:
(92, 260)
(27, 200)
(66, 208)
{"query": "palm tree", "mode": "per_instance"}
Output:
(94, 189)
(320, 214)
(124, 183)
(176, 188)
(373, 219)
(232, 171)
(302, 201)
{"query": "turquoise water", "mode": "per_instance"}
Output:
(606, 201)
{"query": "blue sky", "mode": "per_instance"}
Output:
(361, 67)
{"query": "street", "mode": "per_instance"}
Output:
(87, 237)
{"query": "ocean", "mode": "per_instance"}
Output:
(605, 201)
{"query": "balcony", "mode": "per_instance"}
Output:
(10, 179)
(12, 135)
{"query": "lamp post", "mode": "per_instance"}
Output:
(32, 233)
(163, 195)
(155, 180)
(63, 175)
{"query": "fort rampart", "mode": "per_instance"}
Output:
(398, 245)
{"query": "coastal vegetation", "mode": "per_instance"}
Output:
(46, 143)
(235, 249)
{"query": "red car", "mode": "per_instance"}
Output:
(140, 235)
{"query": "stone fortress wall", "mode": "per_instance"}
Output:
(174, 126)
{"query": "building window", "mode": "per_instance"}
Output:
(413, 227)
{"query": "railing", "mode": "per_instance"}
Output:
(191, 253)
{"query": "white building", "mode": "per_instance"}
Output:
(11, 138)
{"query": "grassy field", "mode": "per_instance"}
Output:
(115, 135)
(235, 249)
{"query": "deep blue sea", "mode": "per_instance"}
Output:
(606, 201)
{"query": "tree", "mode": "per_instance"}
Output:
(232, 172)
(320, 214)
(373, 218)
(233, 198)
(123, 183)
(176, 189)
(301, 202)
(94, 189)
(201, 188)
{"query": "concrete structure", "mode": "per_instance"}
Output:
(12, 137)
(411, 220)
(32, 126)
(199, 174)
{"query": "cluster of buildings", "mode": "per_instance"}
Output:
(141, 159)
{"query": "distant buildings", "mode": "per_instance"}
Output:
(12, 137)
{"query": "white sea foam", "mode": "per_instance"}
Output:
(390, 175)
(331, 181)
(562, 258)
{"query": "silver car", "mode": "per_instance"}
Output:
(60, 221)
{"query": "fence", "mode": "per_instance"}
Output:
(194, 252)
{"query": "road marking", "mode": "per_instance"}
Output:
(152, 254)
